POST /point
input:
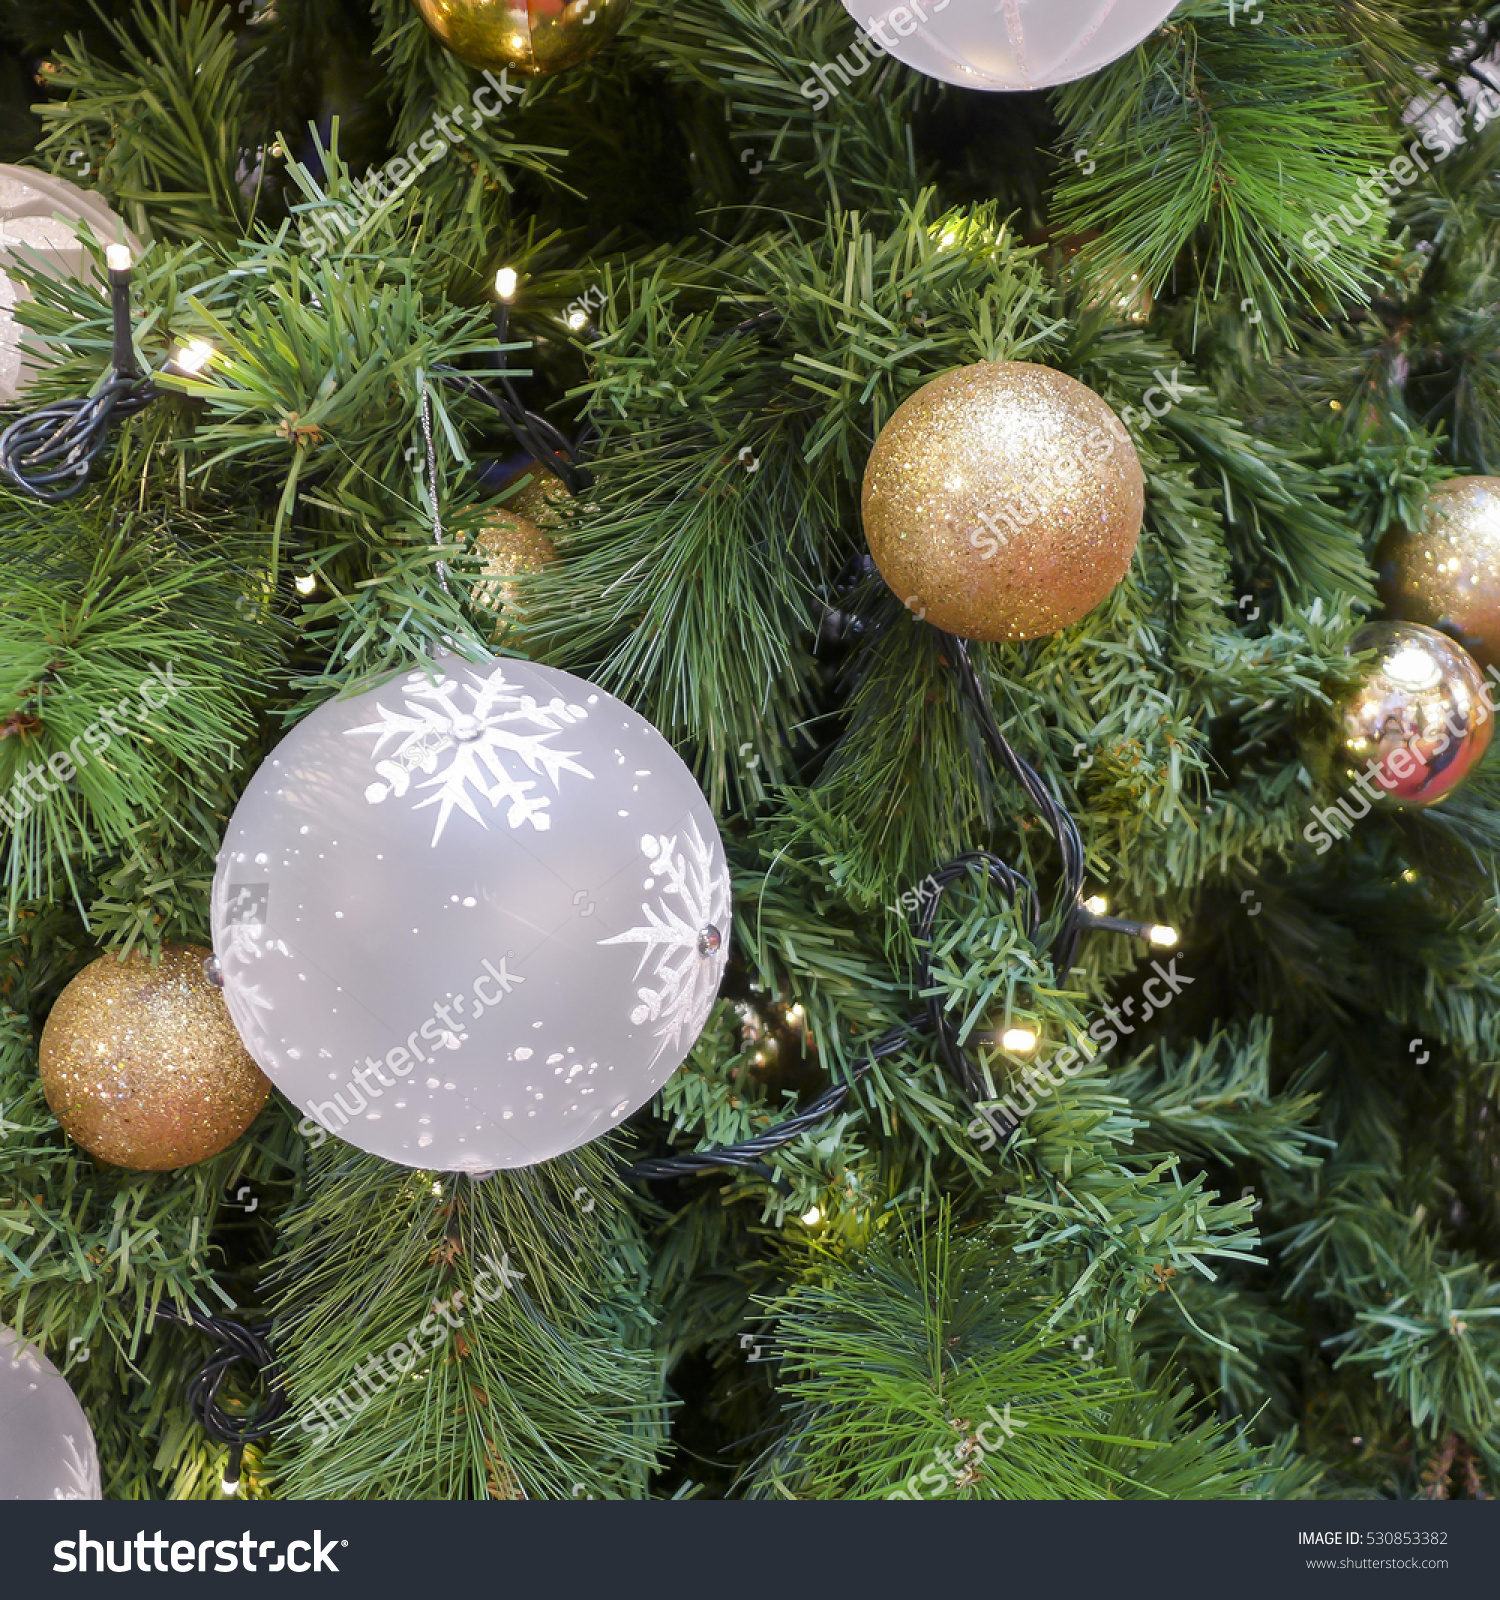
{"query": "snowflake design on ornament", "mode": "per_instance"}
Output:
(239, 945)
(487, 742)
(82, 1474)
(683, 936)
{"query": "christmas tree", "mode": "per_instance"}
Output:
(584, 366)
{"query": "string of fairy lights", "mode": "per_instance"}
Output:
(50, 452)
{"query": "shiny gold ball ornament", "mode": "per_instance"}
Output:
(511, 546)
(1415, 724)
(1448, 576)
(142, 1065)
(535, 37)
(1003, 501)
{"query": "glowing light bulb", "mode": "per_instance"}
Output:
(576, 320)
(194, 356)
(1096, 904)
(1161, 935)
(812, 1217)
(117, 257)
(506, 282)
(437, 1191)
(1019, 1041)
(230, 1486)
(306, 583)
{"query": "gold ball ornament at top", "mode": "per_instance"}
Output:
(1414, 725)
(534, 37)
(142, 1065)
(1448, 576)
(510, 546)
(1003, 501)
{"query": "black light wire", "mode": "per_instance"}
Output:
(747, 1155)
(50, 452)
(1072, 916)
(237, 1344)
(542, 440)
(966, 1074)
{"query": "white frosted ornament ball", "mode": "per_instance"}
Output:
(475, 922)
(37, 217)
(46, 1445)
(1007, 44)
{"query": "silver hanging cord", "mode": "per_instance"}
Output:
(432, 473)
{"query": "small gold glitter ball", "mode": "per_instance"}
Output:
(1448, 576)
(535, 37)
(511, 546)
(1411, 729)
(1126, 295)
(1105, 284)
(1003, 501)
(142, 1066)
(540, 497)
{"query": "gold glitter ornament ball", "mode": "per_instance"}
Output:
(1448, 576)
(142, 1065)
(1411, 729)
(1105, 284)
(1003, 501)
(541, 496)
(511, 546)
(534, 37)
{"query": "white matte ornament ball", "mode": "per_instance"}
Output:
(471, 921)
(46, 1445)
(1006, 44)
(37, 217)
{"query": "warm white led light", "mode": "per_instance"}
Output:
(1096, 904)
(1163, 936)
(1019, 1041)
(194, 356)
(306, 583)
(505, 282)
(118, 257)
(812, 1217)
